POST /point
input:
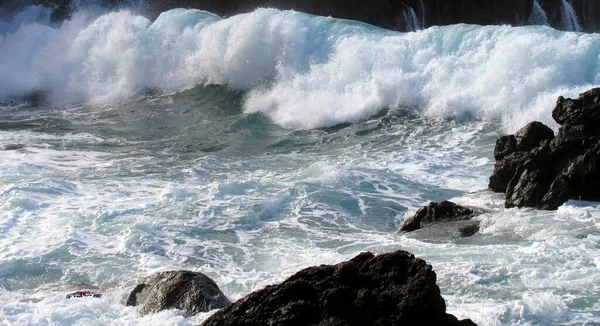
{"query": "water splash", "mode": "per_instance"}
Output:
(423, 25)
(303, 71)
(538, 15)
(410, 19)
(569, 18)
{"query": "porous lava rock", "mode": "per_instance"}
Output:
(389, 289)
(534, 168)
(192, 292)
(445, 211)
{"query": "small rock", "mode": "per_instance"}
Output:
(445, 211)
(191, 292)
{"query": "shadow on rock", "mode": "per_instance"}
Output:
(389, 289)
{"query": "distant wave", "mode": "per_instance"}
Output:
(303, 71)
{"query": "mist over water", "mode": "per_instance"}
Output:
(251, 147)
(302, 71)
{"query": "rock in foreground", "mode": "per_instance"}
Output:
(535, 169)
(191, 292)
(389, 289)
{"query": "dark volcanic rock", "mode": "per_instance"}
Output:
(579, 111)
(532, 135)
(445, 211)
(191, 292)
(389, 289)
(535, 169)
(513, 152)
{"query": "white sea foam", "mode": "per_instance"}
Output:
(301, 70)
(73, 210)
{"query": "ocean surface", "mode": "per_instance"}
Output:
(251, 147)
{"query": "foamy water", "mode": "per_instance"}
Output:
(190, 143)
(303, 71)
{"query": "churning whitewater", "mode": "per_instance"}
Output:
(302, 71)
(251, 147)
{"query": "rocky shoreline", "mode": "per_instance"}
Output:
(534, 168)
(389, 289)
(406, 15)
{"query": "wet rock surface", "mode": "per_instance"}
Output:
(443, 212)
(191, 292)
(534, 168)
(389, 289)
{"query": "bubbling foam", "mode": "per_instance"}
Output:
(302, 71)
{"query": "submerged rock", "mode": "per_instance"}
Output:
(535, 169)
(83, 294)
(389, 289)
(445, 211)
(191, 292)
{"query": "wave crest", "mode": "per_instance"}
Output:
(303, 71)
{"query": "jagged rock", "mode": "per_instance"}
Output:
(530, 136)
(579, 111)
(445, 211)
(191, 292)
(527, 188)
(513, 151)
(535, 169)
(389, 289)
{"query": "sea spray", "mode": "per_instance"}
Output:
(410, 19)
(569, 17)
(303, 71)
(538, 15)
(170, 172)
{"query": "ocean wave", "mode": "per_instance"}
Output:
(302, 71)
